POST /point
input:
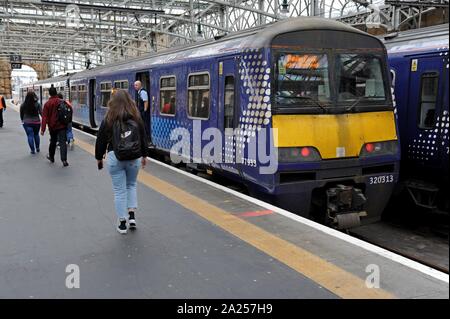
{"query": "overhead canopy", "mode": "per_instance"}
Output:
(81, 33)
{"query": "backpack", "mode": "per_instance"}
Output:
(126, 140)
(64, 113)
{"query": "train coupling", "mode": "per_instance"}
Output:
(345, 206)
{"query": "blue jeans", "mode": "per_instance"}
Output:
(124, 180)
(69, 132)
(32, 131)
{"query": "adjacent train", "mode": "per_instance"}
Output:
(418, 61)
(318, 90)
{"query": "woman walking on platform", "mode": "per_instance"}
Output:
(122, 136)
(30, 111)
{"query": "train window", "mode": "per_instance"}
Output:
(229, 102)
(167, 95)
(105, 91)
(82, 94)
(302, 78)
(428, 97)
(360, 76)
(121, 85)
(198, 88)
(73, 93)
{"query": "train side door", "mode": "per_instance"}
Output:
(228, 113)
(144, 77)
(426, 91)
(92, 104)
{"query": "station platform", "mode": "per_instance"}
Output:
(194, 239)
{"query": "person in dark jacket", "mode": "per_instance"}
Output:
(70, 139)
(30, 111)
(57, 130)
(2, 109)
(123, 173)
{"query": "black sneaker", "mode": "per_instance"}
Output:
(122, 227)
(65, 164)
(131, 220)
(50, 159)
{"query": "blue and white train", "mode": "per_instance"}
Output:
(319, 89)
(419, 61)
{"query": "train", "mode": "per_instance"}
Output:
(418, 63)
(301, 109)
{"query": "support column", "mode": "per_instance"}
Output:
(261, 18)
(5, 78)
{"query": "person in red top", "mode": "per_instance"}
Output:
(57, 130)
(169, 107)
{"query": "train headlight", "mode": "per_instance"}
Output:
(379, 148)
(298, 154)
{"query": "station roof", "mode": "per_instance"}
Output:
(77, 34)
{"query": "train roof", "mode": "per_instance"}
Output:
(53, 80)
(230, 44)
(418, 40)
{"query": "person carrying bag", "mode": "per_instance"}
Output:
(122, 136)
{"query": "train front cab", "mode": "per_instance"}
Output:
(336, 132)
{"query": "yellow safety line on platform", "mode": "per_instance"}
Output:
(325, 274)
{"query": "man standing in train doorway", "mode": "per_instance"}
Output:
(143, 106)
(2, 108)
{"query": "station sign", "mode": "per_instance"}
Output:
(15, 58)
(15, 66)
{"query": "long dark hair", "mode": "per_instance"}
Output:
(122, 107)
(29, 105)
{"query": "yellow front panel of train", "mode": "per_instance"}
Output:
(334, 135)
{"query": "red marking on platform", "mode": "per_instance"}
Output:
(254, 214)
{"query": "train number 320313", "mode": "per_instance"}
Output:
(381, 179)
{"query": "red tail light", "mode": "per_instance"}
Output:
(305, 152)
(370, 147)
(298, 154)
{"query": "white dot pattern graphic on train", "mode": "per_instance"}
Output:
(254, 72)
(229, 149)
(162, 128)
(444, 54)
(426, 146)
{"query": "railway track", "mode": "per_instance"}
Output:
(431, 251)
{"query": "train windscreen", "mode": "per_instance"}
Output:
(302, 79)
(359, 78)
(311, 80)
(329, 70)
